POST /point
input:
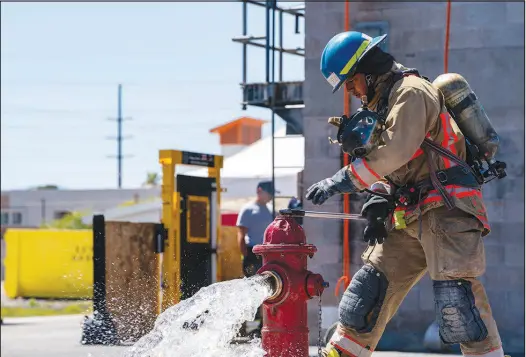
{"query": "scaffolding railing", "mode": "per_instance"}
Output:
(271, 99)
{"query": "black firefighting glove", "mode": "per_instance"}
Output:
(376, 210)
(339, 183)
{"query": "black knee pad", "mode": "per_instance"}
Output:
(363, 299)
(458, 318)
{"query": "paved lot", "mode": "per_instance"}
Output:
(59, 336)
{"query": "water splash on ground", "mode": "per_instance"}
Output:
(205, 324)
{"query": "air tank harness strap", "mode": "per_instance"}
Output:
(428, 146)
(464, 176)
(409, 195)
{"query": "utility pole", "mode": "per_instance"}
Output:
(119, 137)
(42, 211)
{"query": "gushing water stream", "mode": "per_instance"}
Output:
(205, 324)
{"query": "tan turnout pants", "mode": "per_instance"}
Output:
(450, 248)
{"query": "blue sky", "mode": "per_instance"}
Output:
(180, 71)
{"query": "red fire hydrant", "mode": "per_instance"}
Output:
(284, 250)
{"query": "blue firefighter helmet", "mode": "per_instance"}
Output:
(342, 54)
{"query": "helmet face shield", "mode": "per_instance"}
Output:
(357, 139)
(359, 134)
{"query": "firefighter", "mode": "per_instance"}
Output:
(425, 210)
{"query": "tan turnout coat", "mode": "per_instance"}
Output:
(416, 110)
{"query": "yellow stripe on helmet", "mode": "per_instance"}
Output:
(355, 57)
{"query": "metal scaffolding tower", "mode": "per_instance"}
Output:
(282, 98)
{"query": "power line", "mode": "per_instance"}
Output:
(119, 137)
(134, 85)
(87, 113)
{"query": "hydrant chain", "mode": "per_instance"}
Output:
(319, 325)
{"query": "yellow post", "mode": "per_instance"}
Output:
(170, 218)
(216, 172)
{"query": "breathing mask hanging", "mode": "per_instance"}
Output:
(359, 134)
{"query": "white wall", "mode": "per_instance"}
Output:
(37, 205)
(246, 187)
(150, 216)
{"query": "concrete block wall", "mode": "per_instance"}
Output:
(487, 48)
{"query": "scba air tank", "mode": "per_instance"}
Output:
(468, 113)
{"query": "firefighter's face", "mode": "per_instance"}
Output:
(356, 85)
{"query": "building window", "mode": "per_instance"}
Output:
(5, 218)
(17, 218)
(373, 29)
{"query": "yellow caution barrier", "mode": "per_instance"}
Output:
(47, 263)
(58, 264)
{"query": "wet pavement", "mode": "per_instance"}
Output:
(59, 336)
